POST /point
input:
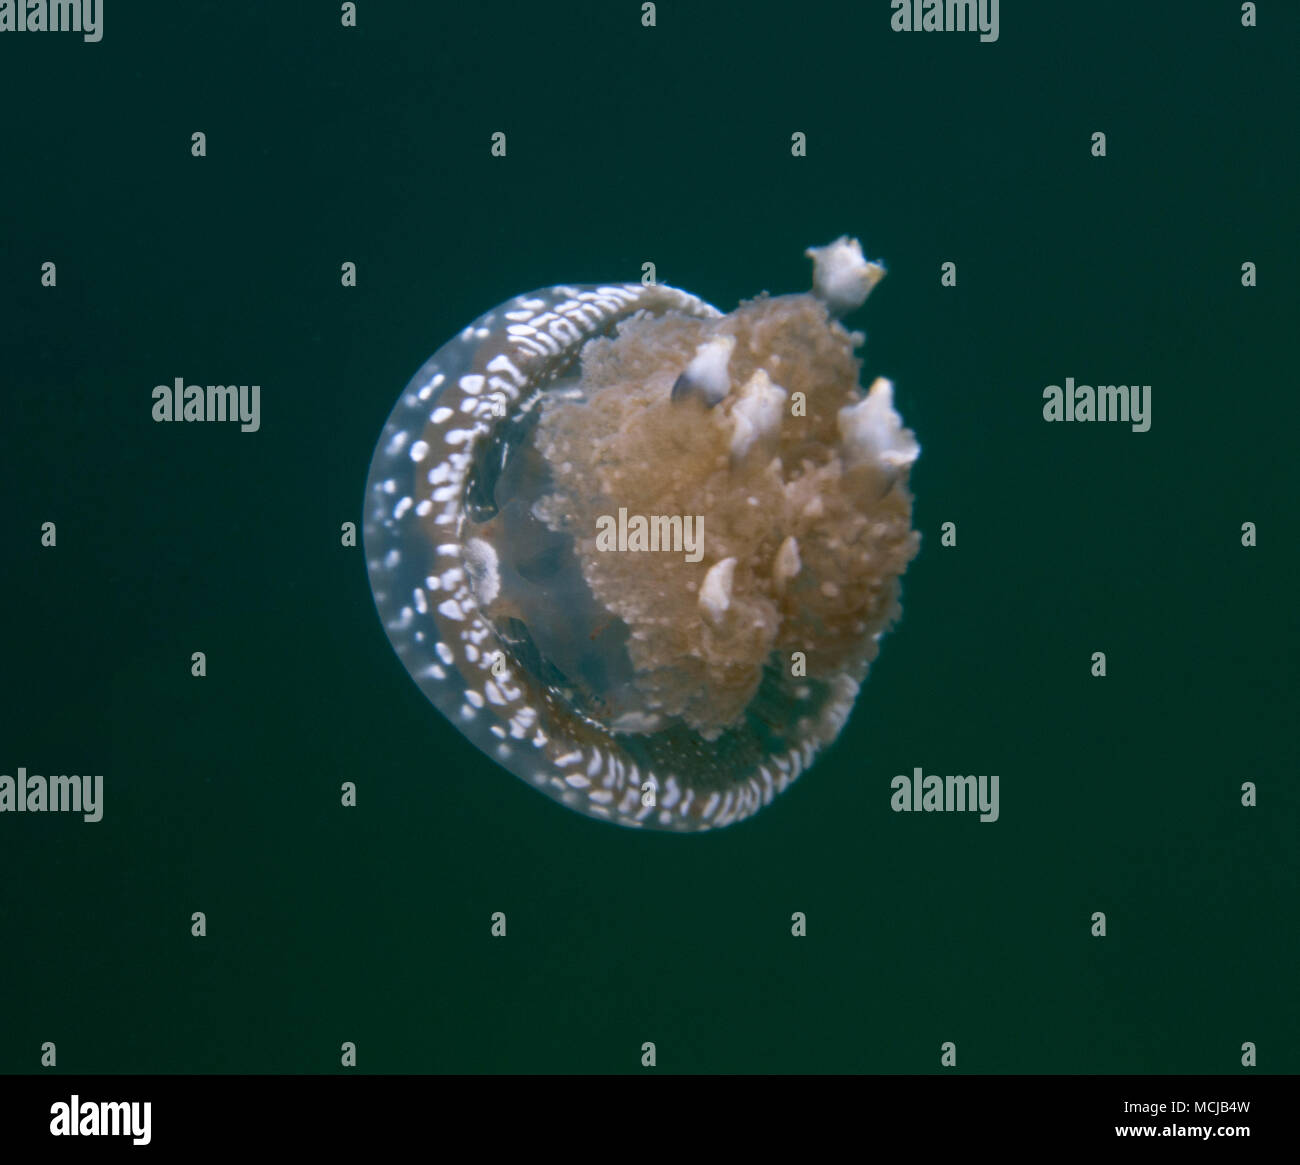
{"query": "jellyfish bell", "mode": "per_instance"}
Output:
(639, 552)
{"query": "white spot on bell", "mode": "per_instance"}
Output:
(842, 277)
(872, 431)
(786, 564)
(756, 414)
(707, 372)
(715, 592)
(481, 562)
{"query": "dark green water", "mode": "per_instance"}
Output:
(670, 145)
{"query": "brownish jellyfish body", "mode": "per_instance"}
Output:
(640, 552)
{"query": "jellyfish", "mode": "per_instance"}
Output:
(640, 552)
